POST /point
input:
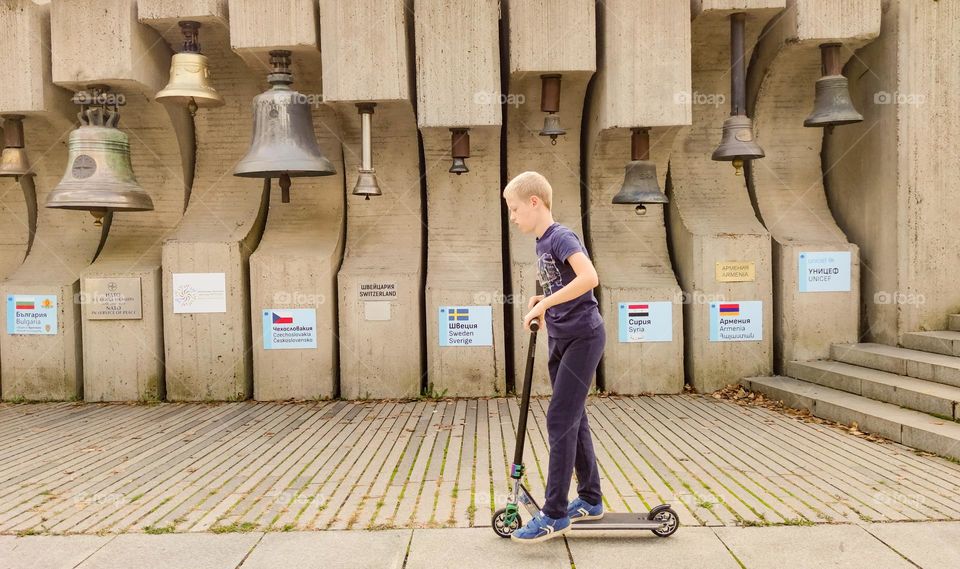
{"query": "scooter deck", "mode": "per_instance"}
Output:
(618, 521)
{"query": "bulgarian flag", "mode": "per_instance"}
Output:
(24, 303)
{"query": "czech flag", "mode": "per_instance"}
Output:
(282, 318)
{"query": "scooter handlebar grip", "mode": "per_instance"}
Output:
(534, 325)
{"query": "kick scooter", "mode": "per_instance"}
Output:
(661, 520)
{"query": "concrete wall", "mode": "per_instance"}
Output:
(893, 180)
(380, 344)
(711, 219)
(569, 29)
(630, 251)
(463, 241)
(787, 186)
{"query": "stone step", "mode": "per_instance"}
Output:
(905, 426)
(901, 361)
(954, 322)
(910, 392)
(946, 342)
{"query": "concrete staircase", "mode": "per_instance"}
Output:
(909, 394)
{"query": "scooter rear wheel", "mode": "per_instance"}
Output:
(499, 526)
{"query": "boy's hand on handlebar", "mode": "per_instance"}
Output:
(535, 313)
(534, 300)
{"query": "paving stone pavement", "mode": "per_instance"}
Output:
(927, 545)
(100, 469)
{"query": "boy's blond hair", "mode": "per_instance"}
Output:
(530, 184)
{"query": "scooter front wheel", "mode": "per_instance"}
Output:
(669, 520)
(499, 525)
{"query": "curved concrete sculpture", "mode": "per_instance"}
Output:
(208, 355)
(458, 84)
(546, 37)
(47, 365)
(123, 342)
(380, 282)
(18, 220)
(721, 250)
(630, 251)
(893, 179)
(787, 186)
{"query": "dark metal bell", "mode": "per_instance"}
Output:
(459, 150)
(283, 141)
(640, 185)
(552, 128)
(99, 177)
(737, 142)
(13, 160)
(833, 106)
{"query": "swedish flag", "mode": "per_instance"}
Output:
(458, 314)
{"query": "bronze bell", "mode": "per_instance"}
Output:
(99, 177)
(13, 160)
(459, 150)
(737, 141)
(550, 104)
(283, 144)
(367, 179)
(832, 106)
(189, 75)
(640, 184)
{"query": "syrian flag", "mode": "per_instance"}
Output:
(638, 310)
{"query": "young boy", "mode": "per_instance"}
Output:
(576, 338)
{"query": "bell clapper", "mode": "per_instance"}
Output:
(98, 216)
(640, 210)
(738, 167)
(192, 107)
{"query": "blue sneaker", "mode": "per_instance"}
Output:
(541, 528)
(580, 510)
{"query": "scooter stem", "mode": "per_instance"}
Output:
(517, 470)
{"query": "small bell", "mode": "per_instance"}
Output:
(459, 150)
(832, 106)
(13, 160)
(367, 179)
(640, 184)
(283, 142)
(550, 104)
(552, 128)
(737, 144)
(99, 177)
(189, 75)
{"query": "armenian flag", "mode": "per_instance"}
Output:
(730, 309)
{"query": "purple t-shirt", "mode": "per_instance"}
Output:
(575, 317)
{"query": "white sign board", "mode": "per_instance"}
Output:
(199, 293)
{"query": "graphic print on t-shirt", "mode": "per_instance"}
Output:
(550, 278)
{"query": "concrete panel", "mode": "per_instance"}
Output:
(379, 358)
(630, 251)
(123, 359)
(331, 550)
(787, 186)
(569, 27)
(164, 14)
(296, 263)
(464, 265)
(208, 355)
(893, 192)
(44, 366)
(711, 218)
(458, 63)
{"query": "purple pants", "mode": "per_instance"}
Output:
(573, 363)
